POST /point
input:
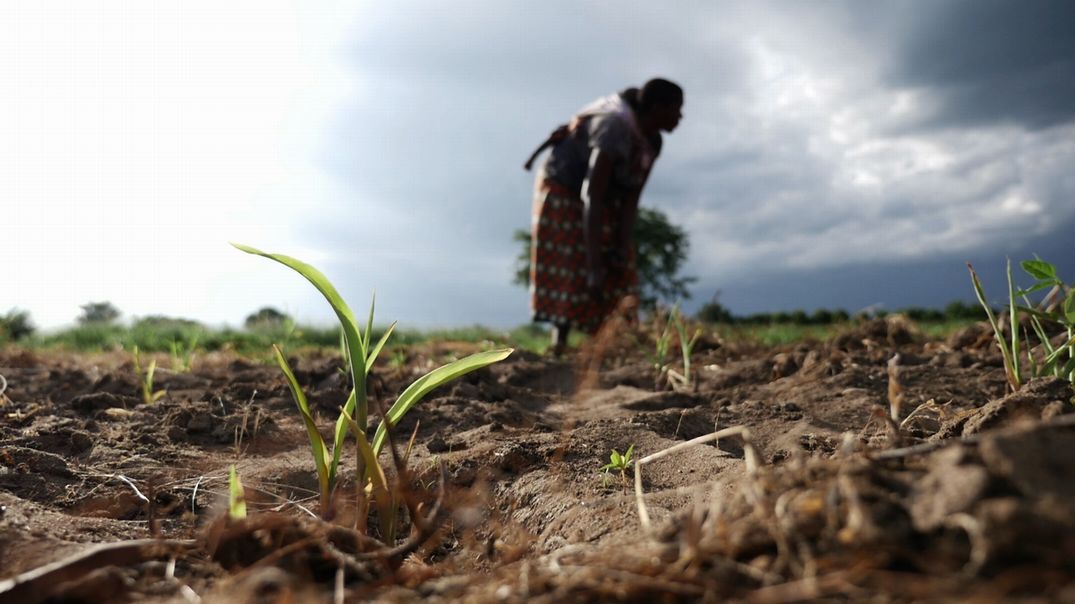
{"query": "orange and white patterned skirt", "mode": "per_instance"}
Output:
(558, 292)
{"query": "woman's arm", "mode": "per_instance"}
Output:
(594, 193)
(626, 237)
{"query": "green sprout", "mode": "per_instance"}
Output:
(149, 396)
(1008, 349)
(183, 355)
(662, 342)
(398, 359)
(1057, 307)
(236, 496)
(369, 473)
(620, 463)
(360, 356)
(1061, 311)
(682, 381)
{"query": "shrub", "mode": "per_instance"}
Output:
(16, 325)
(98, 312)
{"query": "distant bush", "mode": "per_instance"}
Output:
(781, 317)
(266, 318)
(98, 312)
(162, 322)
(822, 316)
(760, 318)
(91, 336)
(159, 332)
(714, 312)
(16, 325)
(963, 310)
(922, 314)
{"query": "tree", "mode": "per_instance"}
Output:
(16, 324)
(714, 312)
(822, 316)
(962, 310)
(98, 312)
(662, 250)
(166, 323)
(161, 332)
(266, 318)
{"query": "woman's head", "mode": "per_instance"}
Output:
(662, 101)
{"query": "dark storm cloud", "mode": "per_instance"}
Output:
(454, 97)
(795, 164)
(990, 60)
(927, 282)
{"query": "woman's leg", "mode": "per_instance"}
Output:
(560, 332)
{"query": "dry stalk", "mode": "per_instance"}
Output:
(930, 405)
(278, 554)
(895, 389)
(682, 414)
(929, 447)
(979, 549)
(38, 584)
(892, 431)
(848, 440)
(337, 589)
(553, 558)
(810, 588)
(778, 530)
(133, 487)
(189, 594)
(748, 451)
(424, 528)
(633, 579)
(716, 502)
(194, 496)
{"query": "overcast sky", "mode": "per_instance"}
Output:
(833, 154)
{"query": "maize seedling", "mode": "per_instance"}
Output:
(360, 357)
(145, 378)
(620, 463)
(236, 496)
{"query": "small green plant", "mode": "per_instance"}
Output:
(1058, 307)
(145, 378)
(236, 496)
(368, 472)
(360, 356)
(398, 359)
(183, 354)
(682, 381)
(619, 463)
(1009, 349)
(662, 342)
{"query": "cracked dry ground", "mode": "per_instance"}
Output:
(107, 499)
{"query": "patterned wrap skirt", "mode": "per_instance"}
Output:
(558, 271)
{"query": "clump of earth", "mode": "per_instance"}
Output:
(877, 464)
